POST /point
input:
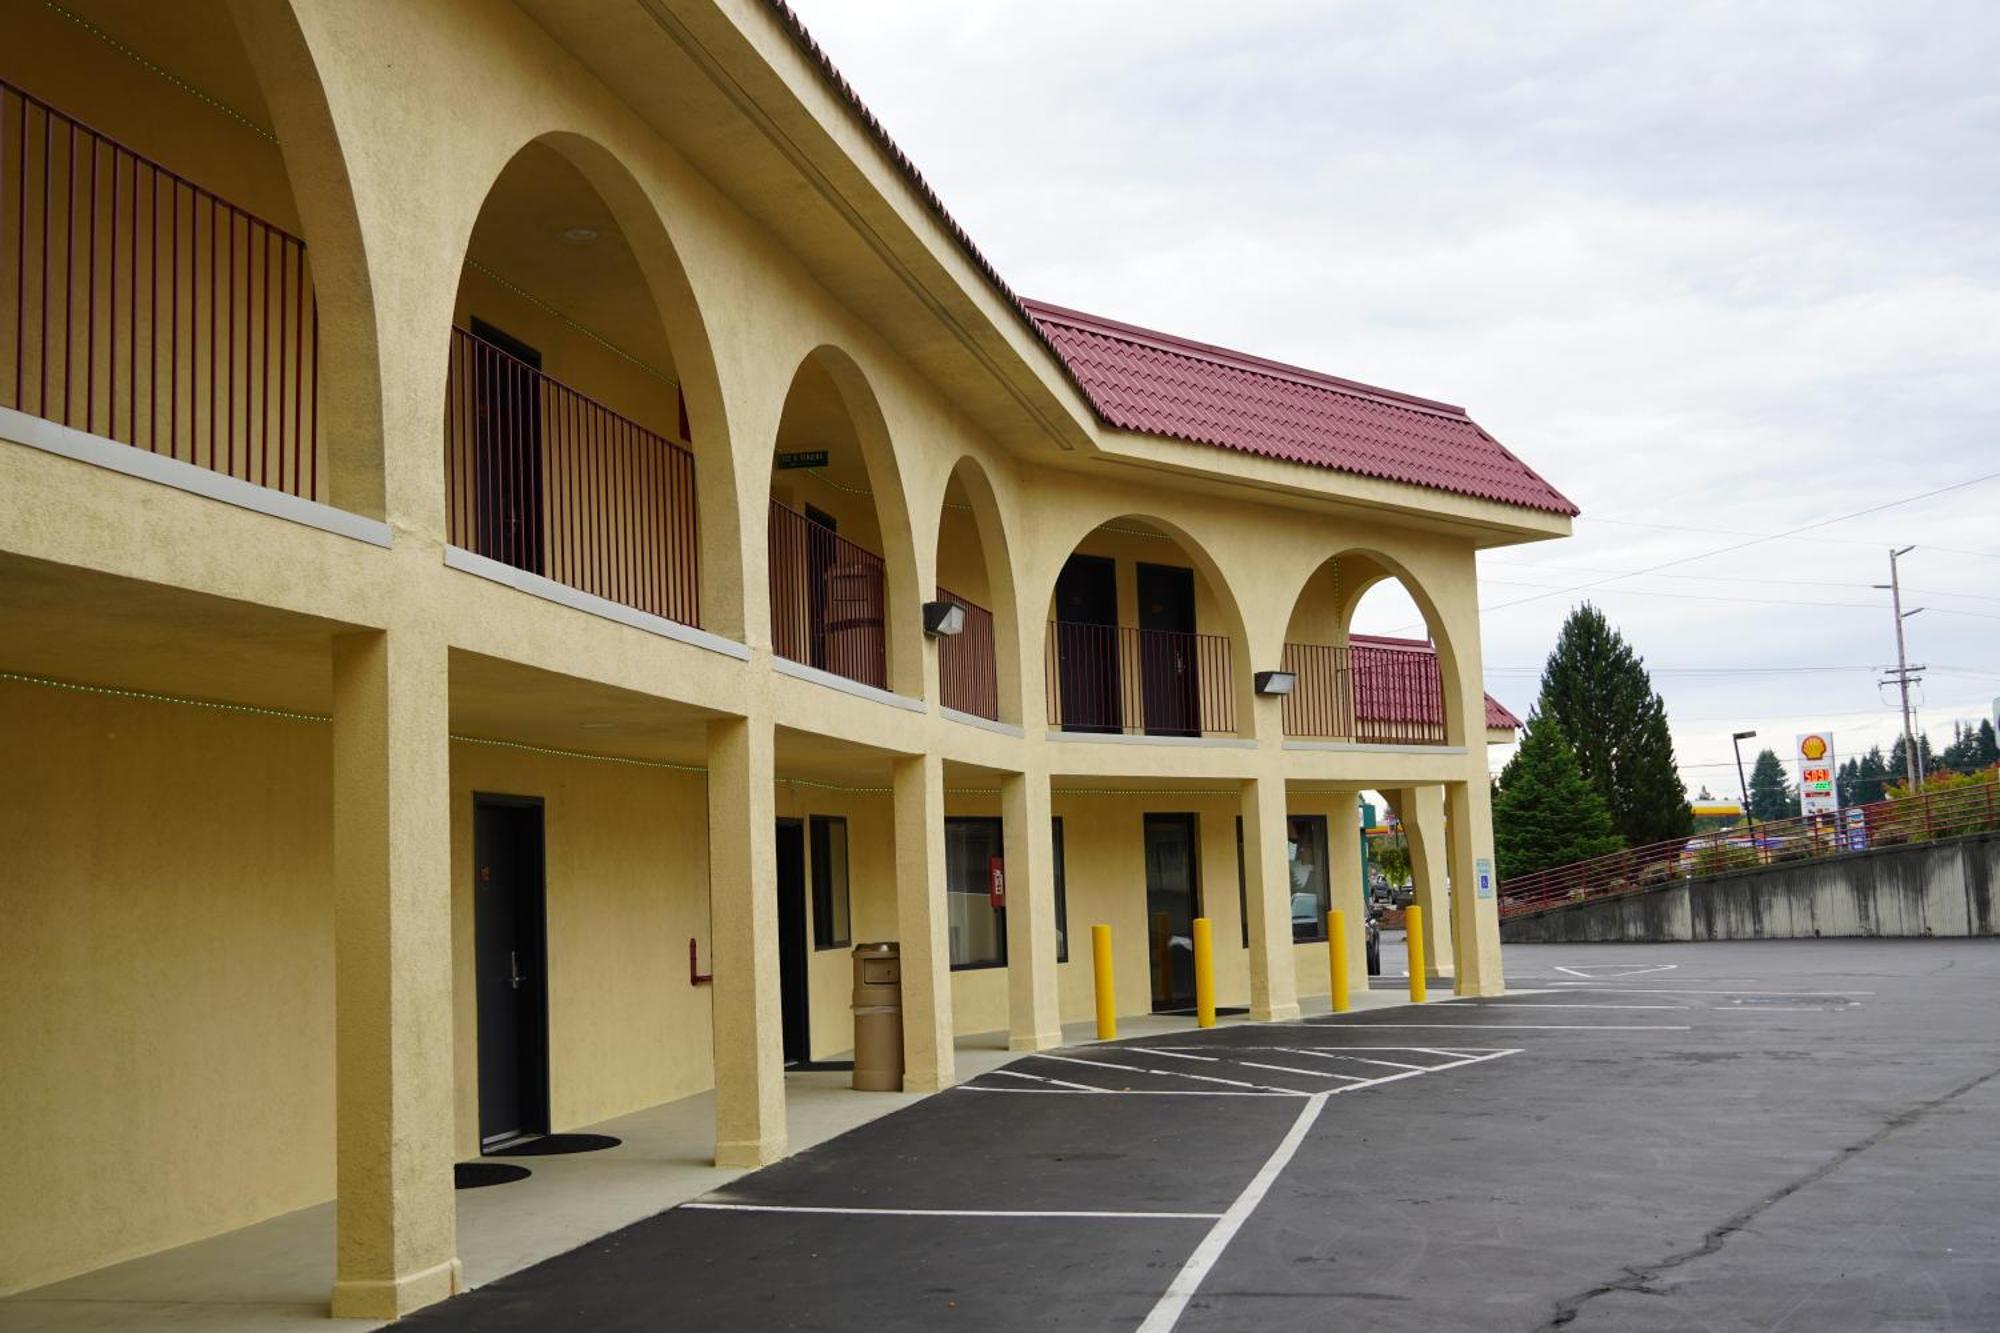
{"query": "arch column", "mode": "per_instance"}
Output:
(743, 934)
(1034, 1018)
(1267, 890)
(1420, 810)
(1475, 906)
(918, 794)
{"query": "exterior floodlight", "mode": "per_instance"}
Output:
(1275, 682)
(943, 618)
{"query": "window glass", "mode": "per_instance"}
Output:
(978, 928)
(1305, 856)
(1062, 897)
(831, 926)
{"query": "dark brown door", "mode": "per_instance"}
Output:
(1173, 901)
(507, 448)
(1086, 631)
(792, 973)
(510, 952)
(1169, 676)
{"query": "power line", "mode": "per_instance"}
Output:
(1729, 578)
(1793, 535)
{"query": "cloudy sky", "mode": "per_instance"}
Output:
(1716, 270)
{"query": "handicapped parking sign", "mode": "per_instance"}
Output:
(1483, 875)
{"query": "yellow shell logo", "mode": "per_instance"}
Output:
(1813, 747)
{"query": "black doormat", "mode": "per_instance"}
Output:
(812, 1066)
(1220, 1011)
(554, 1145)
(478, 1175)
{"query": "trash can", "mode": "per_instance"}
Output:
(878, 1017)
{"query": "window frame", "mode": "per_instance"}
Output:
(999, 913)
(1325, 868)
(818, 862)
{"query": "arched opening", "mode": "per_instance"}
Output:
(843, 583)
(978, 666)
(1360, 675)
(1145, 637)
(158, 287)
(577, 363)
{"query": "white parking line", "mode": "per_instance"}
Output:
(1634, 990)
(1291, 1069)
(1584, 970)
(1505, 1027)
(1545, 1004)
(1174, 1055)
(1038, 1078)
(1168, 1073)
(718, 1207)
(1079, 1091)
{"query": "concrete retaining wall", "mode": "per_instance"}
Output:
(1933, 888)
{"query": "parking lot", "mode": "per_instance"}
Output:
(1795, 1135)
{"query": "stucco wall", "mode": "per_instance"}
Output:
(166, 976)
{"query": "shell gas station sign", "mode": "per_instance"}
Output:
(1818, 792)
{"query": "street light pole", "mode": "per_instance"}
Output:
(1736, 743)
(1912, 771)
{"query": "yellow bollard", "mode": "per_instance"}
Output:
(1336, 952)
(1413, 922)
(1204, 973)
(1107, 1003)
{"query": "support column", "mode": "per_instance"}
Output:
(1420, 810)
(1475, 904)
(1267, 891)
(1348, 893)
(1034, 1016)
(743, 940)
(396, 1219)
(920, 921)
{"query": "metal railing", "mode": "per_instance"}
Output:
(1117, 678)
(1374, 696)
(827, 600)
(1934, 814)
(549, 480)
(138, 306)
(967, 679)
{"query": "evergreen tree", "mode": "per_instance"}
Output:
(1989, 745)
(1597, 688)
(1871, 774)
(1546, 813)
(1972, 748)
(1771, 795)
(1846, 781)
(1894, 771)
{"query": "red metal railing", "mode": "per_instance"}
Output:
(966, 671)
(546, 479)
(145, 309)
(1116, 678)
(1375, 696)
(827, 600)
(1935, 814)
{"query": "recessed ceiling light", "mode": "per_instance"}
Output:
(580, 235)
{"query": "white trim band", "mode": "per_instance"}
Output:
(983, 723)
(535, 585)
(785, 666)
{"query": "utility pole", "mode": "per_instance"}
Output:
(1904, 674)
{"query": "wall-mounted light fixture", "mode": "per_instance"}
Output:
(942, 619)
(1275, 682)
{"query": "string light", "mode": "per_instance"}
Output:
(207, 99)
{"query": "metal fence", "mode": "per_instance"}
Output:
(966, 669)
(138, 306)
(1118, 678)
(549, 480)
(1934, 814)
(1375, 696)
(827, 599)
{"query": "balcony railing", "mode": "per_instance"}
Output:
(1117, 678)
(548, 480)
(966, 679)
(137, 306)
(827, 597)
(1373, 696)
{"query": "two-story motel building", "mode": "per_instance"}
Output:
(472, 476)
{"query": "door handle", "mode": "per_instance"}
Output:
(514, 968)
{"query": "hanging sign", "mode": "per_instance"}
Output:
(803, 458)
(1819, 793)
(1482, 876)
(996, 882)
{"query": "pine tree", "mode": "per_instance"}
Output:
(1545, 812)
(1771, 794)
(1871, 774)
(1894, 771)
(1972, 748)
(1598, 689)
(1989, 745)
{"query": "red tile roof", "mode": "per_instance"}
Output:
(1158, 384)
(1497, 714)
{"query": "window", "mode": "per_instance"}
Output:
(1305, 859)
(1311, 892)
(832, 928)
(1062, 897)
(972, 852)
